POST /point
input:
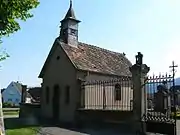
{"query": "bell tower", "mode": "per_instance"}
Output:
(69, 28)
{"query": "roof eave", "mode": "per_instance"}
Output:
(106, 74)
(40, 76)
(42, 71)
(46, 61)
(67, 55)
(70, 18)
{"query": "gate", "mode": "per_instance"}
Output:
(160, 113)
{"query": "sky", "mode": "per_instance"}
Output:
(151, 27)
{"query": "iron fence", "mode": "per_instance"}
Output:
(160, 97)
(115, 94)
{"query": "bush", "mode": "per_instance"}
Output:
(7, 104)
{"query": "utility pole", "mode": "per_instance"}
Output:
(173, 66)
(2, 129)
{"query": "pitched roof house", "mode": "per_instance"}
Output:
(35, 93)
(13, 93)
(70, 60)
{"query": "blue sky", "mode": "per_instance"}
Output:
(149, 26)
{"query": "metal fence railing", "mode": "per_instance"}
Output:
(115, 94)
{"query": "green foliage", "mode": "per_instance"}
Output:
(10, 12)
(3, 56)
(13, 10)
(7, 104)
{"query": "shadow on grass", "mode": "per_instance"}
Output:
(90, 128)
(17, 123)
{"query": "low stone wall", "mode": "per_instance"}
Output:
(104, 116)
(29, 110)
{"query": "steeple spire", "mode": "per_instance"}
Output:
(70, 3)
(69, 27)
(70, 14)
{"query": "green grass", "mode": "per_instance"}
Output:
(10, 112)
(177, 114)
(22, 131)
(14, 126)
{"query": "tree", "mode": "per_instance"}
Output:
(13, 10)
(10, 12)
(3, 56)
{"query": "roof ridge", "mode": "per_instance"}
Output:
(110, 51)
(88, 56)
(17, 87)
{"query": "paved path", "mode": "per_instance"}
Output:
(88, 131)
(63, 131)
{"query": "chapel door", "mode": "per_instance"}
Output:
(56, 103)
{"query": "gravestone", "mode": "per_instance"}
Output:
(163, 99)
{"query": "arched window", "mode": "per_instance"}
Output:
(47, 95)
(117, 92)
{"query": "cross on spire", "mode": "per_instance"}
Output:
(173, 66)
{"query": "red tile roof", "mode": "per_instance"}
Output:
(92, 58)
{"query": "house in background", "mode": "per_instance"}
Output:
(35, 93)
(12, 94)
(69, 61)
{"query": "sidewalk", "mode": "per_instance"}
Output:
(85, 131)
(92, 131)
(96, 130)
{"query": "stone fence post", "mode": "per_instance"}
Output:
(81, 94)
(24, 93)
(80, 103)
(139, 72)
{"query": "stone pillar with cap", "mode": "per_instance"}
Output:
(139, 72)
(24, 94)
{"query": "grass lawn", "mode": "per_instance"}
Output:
(177, 115)
(13, 126)
(10, 112)
(22, 131)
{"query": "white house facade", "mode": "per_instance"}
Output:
(12, 94)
